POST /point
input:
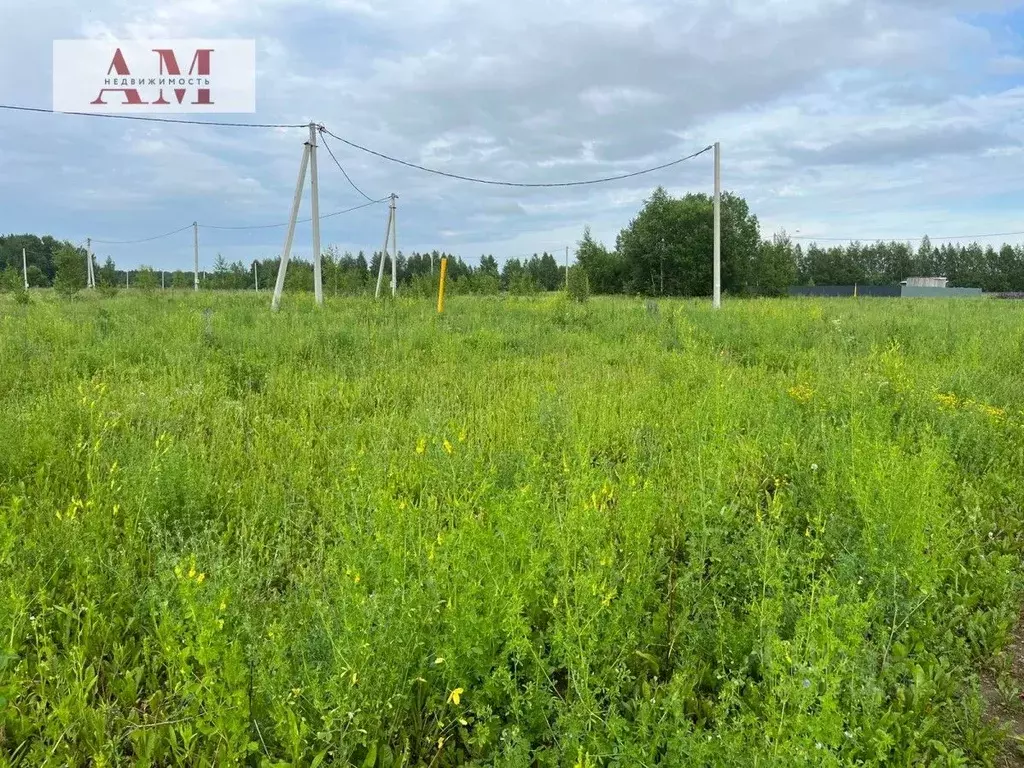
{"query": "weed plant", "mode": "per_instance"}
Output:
(529, 532)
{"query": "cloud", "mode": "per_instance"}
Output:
(834, 114)
(890, 145)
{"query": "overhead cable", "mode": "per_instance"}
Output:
(149, 119)
(340, 168)
(520, 184)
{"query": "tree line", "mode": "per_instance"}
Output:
(665, 250)
(343, 273)
(995, 270)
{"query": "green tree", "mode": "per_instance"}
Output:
(36, 277)
(604, 268)
(774, 267)
(221, 274)
(578, 284)
(545, 272)
(146, 279)
(106, 275)
(70, 275)
(522, 283)
(667, 249)
(10, 280)
(489, 266)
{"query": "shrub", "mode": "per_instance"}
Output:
(71, 271)
(579, 284)
(522, 284)
(146, 279)
(10, 280)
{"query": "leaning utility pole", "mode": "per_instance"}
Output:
(390, 235)
(308, 161)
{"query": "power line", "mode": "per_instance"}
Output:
(356, 208)
(900, 239)
(515, 183)
(298, 221)
(335, 159)
(143, 240)
(146, 119)
(257, 226)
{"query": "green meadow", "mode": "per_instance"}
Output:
(528, 532)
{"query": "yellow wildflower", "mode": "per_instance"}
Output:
(455, 696)
(421, 446)
(192, 572)
(463, 435)
(439, 660)
(996, 413)
(200, 578)
(801, 393)
(991, 411)
(448, 448)
(946, 401)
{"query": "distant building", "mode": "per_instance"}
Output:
(925, 282)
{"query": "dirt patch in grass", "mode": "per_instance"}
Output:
(1002, 688)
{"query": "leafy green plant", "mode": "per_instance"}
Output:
(578, 287)
(146, 279)
(70, 275)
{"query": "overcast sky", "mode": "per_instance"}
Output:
(838, 118)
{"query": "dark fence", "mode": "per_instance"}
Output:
(888, 291)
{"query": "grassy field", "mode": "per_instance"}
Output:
(526, 533)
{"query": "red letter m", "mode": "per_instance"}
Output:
(200, 66)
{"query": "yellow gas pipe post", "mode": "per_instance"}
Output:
(440, 287)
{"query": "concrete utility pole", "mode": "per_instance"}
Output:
(717, 301)
(394, 244)
(567, 267)
(308, 161)
(90, 282)
(290, 237)
(390, 234)
(314, 183)
(24, 267)
(256, 276)
(195, 252)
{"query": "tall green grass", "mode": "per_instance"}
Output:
(524, 533)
